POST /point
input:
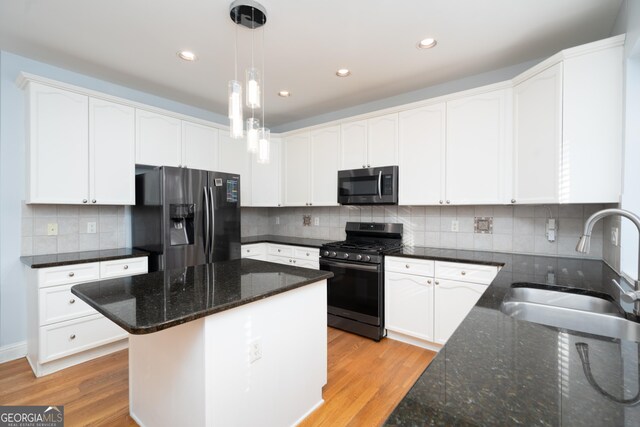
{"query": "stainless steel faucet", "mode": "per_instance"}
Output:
(585, 242)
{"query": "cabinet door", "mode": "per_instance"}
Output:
(325, 162)
(233, 157)
(353, 147)
(476, 148)
(409, 305)
(58, 148)
(265, 177)
(158, 139)
(537, 133)
(453, 301)
(199, 146)
(112, 153)
(296, 170)
(421, 151)
(382, 141)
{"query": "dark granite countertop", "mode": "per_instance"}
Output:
(57, 260)
(496, 370)
(151, 302)
(285, 240)
(452, 255)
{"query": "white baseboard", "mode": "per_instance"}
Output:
(13, 351)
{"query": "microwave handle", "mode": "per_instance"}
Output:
(380, 184)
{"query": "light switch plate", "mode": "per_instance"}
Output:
(454, 225)
(316, 221)
(52, 229)
(91, 227)
(615, 236)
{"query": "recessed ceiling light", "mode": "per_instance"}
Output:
(187, 55)
(343, 72)
(284, 93)
(427, 43)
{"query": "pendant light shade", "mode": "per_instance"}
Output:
(253, 88)
(264, 145)
(235, 109)
(253, 125)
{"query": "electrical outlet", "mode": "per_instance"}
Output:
(277, 220)
(91, 227)
(255, 350)
(316, 221)
(454, 225)
(52, 229)
(615, 236)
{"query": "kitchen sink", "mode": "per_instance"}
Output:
(582, 313)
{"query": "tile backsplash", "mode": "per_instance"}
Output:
(111, 228)
(520, 229)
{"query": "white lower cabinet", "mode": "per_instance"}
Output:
(62, 329)
(423, 305)
(298, 256)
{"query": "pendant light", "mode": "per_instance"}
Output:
(252, 15)
(264, 134)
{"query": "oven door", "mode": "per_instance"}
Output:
(368, 186)
(354, 291)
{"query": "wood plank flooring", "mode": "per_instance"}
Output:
(366, 380)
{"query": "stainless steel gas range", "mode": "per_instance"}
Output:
(356, 292)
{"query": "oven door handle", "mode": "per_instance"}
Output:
(365, 267)
(380, 184)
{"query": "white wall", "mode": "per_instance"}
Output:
(12, 174)
(629, 22)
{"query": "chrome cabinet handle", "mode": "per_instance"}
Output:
(290, 260)
(93, 200)
(72, 301)
(126, 267)
(464, 273)
(84, 200)
(428, 282)
(364, 167)
(294, 261)
(279, 250)
(368, 166)
(307, 253)
(441, 201)
(513, 200)
(248, 251)
(437, 283)
(406, 266)
(71, 274)
(448, 202)
(72, 337)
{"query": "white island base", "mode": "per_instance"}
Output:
(200, 373)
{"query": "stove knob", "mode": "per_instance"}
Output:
(325, 253)
(346, 255)
(333, 254)
(367, 258)
(359, 257)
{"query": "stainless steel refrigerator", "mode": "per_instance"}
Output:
(186, 217)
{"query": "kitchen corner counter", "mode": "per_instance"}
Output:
(496, 370)
(285, 240)
(69, 258)
(155, 301)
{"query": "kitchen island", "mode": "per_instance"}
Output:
(497, 370)
(220, 344)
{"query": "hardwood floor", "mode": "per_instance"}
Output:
(365, 382)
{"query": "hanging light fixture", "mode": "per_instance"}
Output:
(252, 15)
(264, 134)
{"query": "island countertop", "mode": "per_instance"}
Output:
(496, 370)
(151, 302)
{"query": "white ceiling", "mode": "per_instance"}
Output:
(134, 43)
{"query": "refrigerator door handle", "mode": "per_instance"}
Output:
(212, 209)
(207, 224)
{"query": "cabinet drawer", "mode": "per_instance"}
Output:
(280, 259)
(420, 267)
(255, 250)
(123, 267)
(473, 273)
(281, 250)
(65, 338)
(57, 304)
(68, 274)
(306, 253)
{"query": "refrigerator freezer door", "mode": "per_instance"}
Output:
(225, 218)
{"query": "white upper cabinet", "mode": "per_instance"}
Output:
(111, 153)
(477, 157)
(382, 138)
(265, 178)
(592, 126)
(353, 150)
(233, 157)
(369, 143)
(324, 163)
(57, 148)
(199, 146)
(296, 170)
(158, 139)
(537, 104)
(422, 155)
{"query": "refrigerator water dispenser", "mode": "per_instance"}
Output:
(181, 224)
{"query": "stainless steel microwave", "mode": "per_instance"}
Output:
(370, 186)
